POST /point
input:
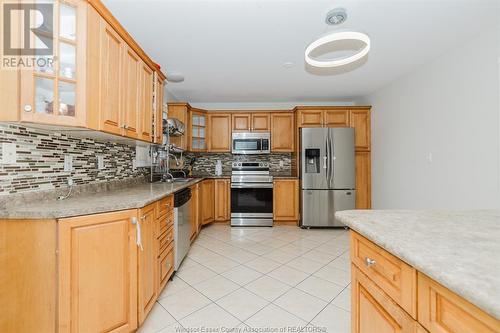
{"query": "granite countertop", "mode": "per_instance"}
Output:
(458, 249)
(128, 197)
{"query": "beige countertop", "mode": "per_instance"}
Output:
(458, 249)
(128, 197)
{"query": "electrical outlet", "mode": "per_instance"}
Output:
(281, 163)
(100, 162)
(429, 157)
(9, 153)
(70, 181)
(68, 163)
(134, 164)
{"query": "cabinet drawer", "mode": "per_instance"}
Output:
(165, 240)
(374, 311)
(442, 311)
(165, 266)
(396, 278)
(163, 223)
(165, 205)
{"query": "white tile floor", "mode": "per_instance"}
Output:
(262, 278)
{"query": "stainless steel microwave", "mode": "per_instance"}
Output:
(251, 143)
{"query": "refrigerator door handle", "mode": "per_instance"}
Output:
(332, 158)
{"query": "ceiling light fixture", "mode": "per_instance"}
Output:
(175, 77)
(335, 37)
(336, 16)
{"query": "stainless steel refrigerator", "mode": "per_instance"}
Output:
(327, 172)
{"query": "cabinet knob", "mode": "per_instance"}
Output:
(124, 127)
(28, 108)
(369, 262)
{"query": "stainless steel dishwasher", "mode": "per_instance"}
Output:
(182, 225)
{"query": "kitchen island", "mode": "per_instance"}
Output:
(441, 268)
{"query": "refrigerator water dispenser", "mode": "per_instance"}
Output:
(312, 161)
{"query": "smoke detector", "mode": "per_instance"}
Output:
(336, 16)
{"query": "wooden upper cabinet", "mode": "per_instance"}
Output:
(261, 122)
(310, 118)
(110, 109)
(198, 130)
(241, 122)
(286, 200)
(360, 120)
(181, 111)
(207, 202)
(220, 132)
(97, 274)
(363, 180)
(283, 132)
(131, 106)
(158, 119)
(146, 102)
(336, 118)
(53, 91)
(373, 311)
(146, 261)
(222, 200)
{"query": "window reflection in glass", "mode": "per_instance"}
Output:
(44, 95)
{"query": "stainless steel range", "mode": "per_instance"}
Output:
(251, 194)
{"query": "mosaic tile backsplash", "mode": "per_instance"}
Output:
(40, 160)
(205, 162)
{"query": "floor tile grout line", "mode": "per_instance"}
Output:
(263, 274)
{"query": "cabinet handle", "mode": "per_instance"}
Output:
(167, 265)
(138, 240)
(28, 108)
(143, 217)
(369, 262)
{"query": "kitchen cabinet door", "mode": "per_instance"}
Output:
(442, 311)
(180, 111)
(110, 112)
(53, 90)
(131, 107)
(158, 119)
(286, 200)
(241, 122)
(198, 132)
(283, 132)
(373, 311)
(97, 275)
(336, 118)
(146, 102)
(222, 200)
(261, 122)
(363, 180)
(360, 120)
(207, 201)
(146, 256)
(195, 211)
(219, 132)
(310, 118)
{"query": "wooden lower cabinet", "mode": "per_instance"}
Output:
(383, 302)
(442, 311)
(195, 212)
(207, 201)
(373, 311)
(286, 200)
(222, 200)
(363, 180)
(146, 265)
(98, 273)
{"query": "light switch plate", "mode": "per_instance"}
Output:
(9, 153)
(100, 162)
(68, 163)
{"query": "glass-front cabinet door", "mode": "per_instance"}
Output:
(198, 131)
(52, 90)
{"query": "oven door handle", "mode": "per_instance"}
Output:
(252, 185)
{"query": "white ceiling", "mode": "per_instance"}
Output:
(234, 50)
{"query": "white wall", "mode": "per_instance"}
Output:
(448, 108)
